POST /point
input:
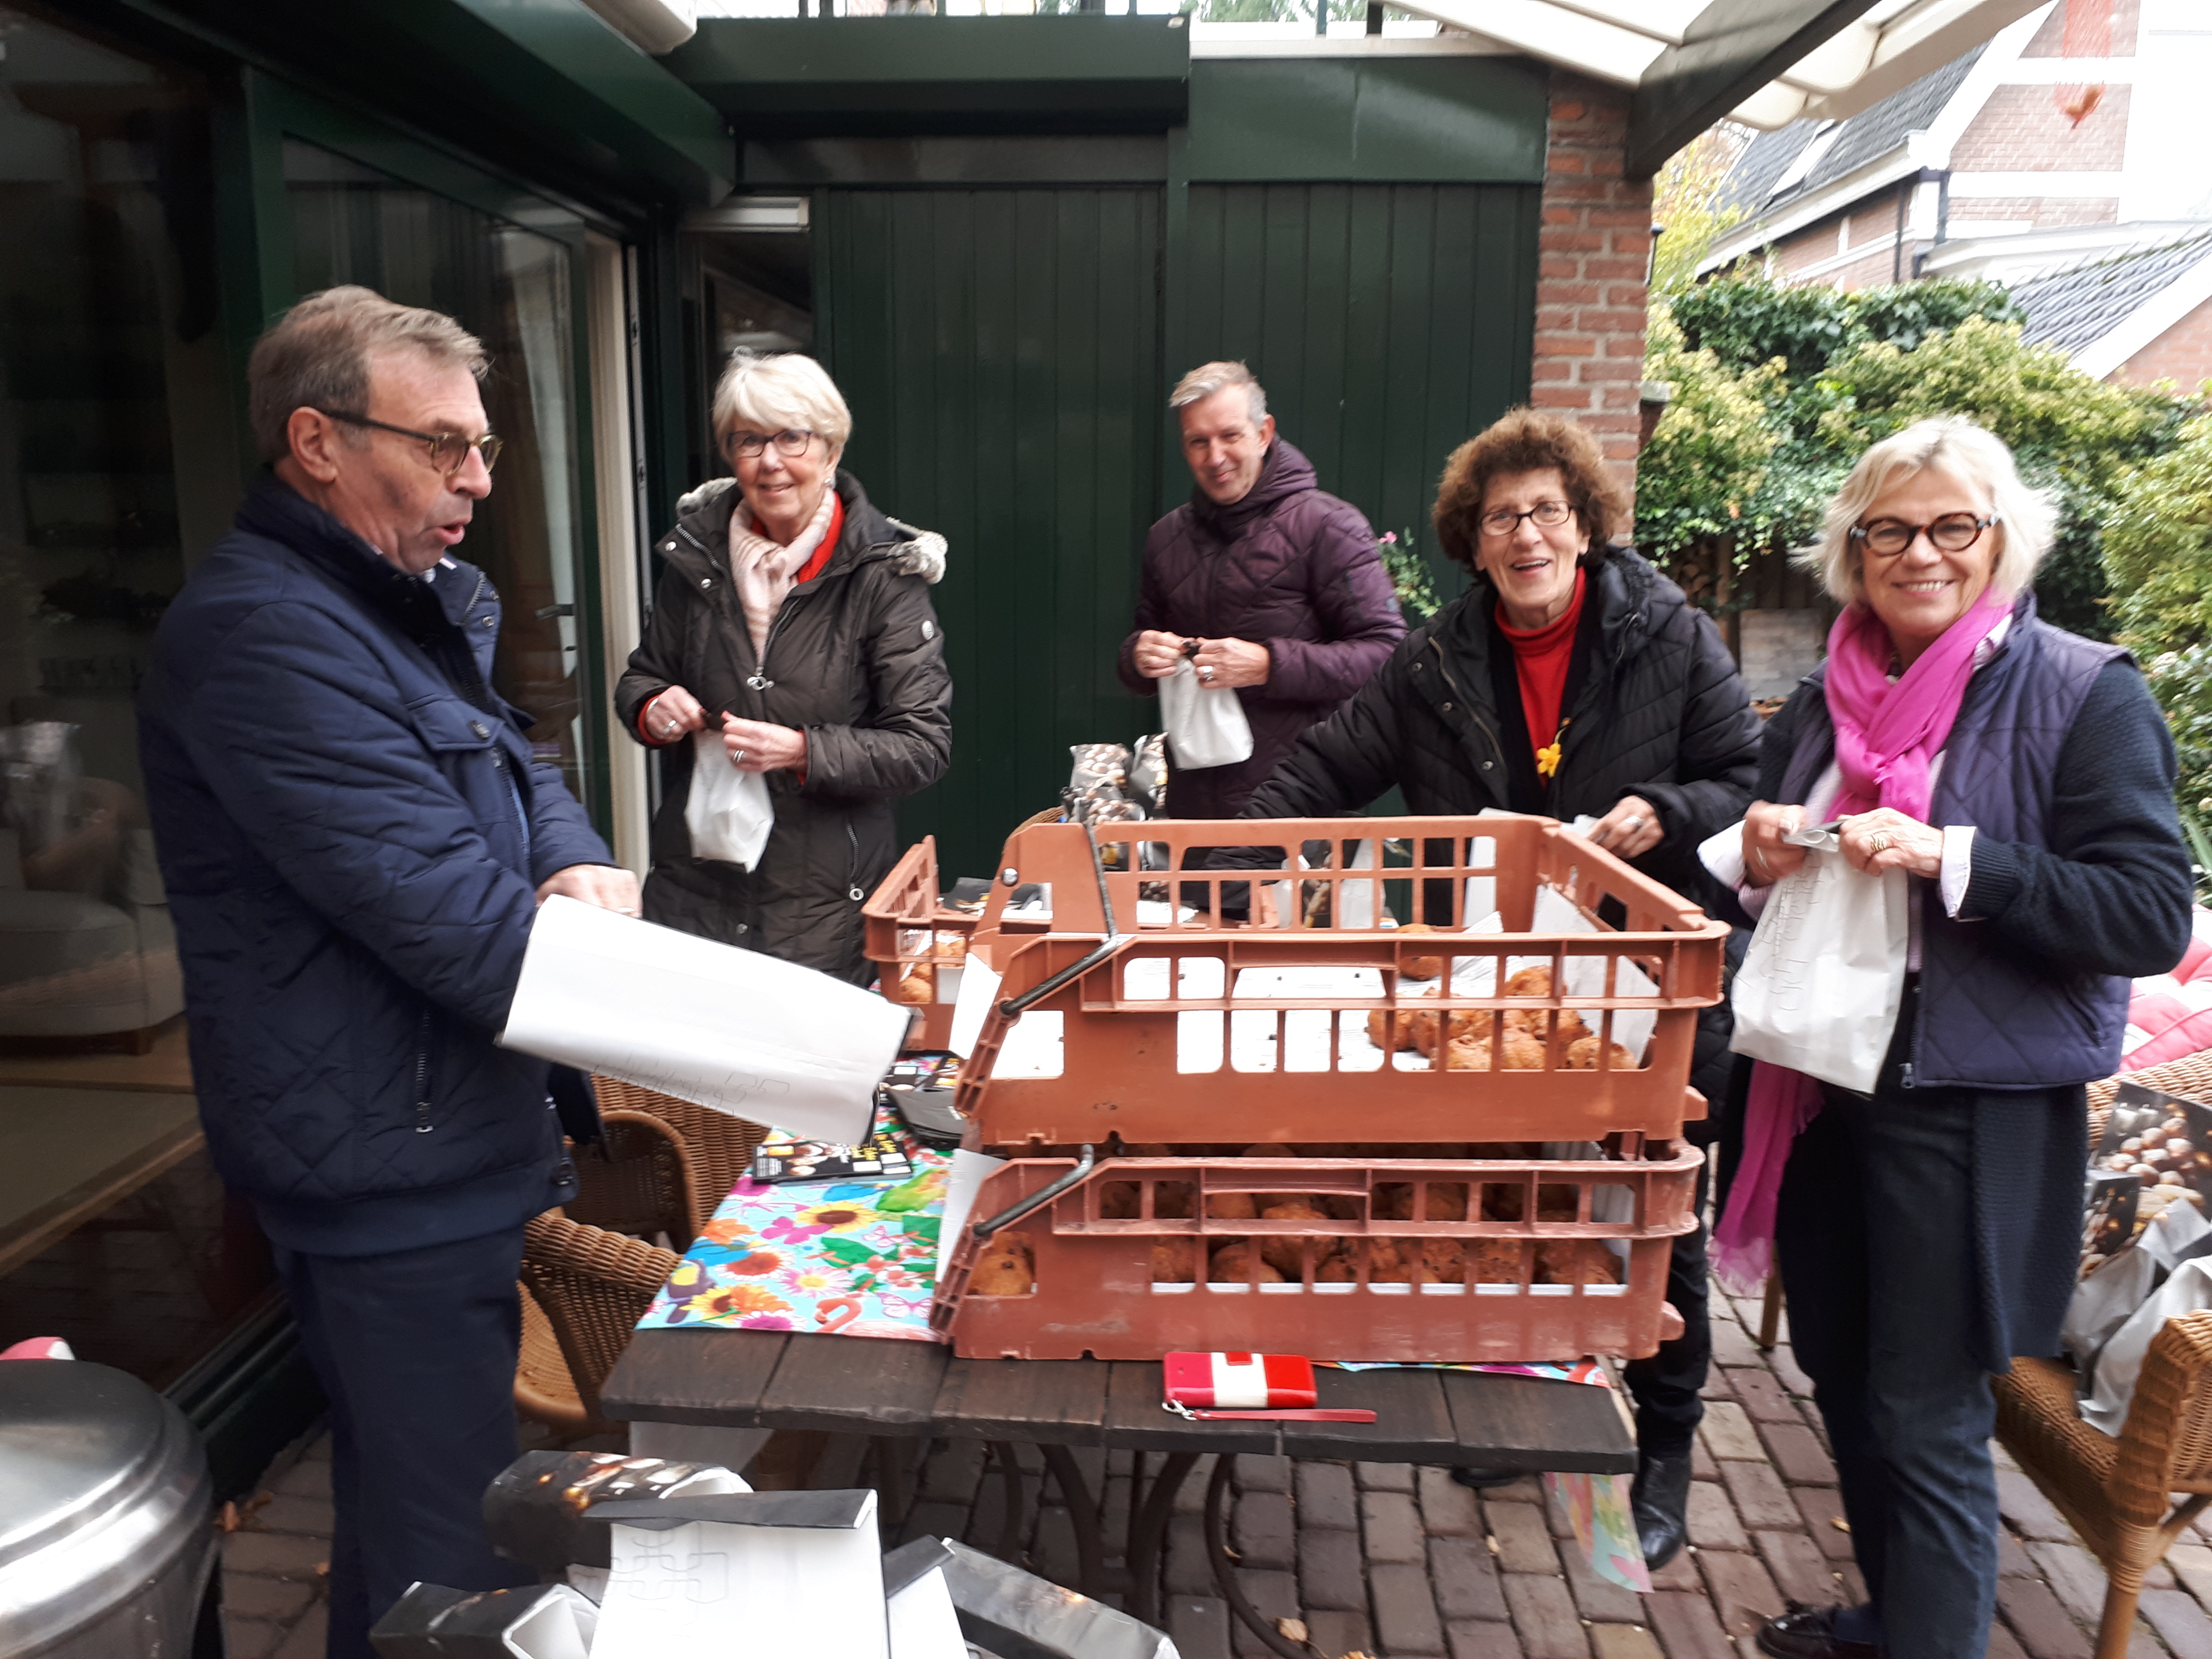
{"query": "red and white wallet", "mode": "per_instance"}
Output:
(1248, 1385)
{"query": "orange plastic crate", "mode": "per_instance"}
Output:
(1096, 1292)
(1165, 1022)
(1130, 1009)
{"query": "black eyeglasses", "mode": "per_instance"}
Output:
(449, 450)
(1548, 515)
(1954, 532)
(790, 442)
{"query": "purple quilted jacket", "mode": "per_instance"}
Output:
(1290, 567)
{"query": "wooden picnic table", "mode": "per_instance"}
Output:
(878, 1388)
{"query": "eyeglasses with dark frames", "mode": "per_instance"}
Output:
(449, 450)
(1548, 515)
(791, 442)
(1954, 532)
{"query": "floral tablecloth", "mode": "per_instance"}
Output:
(850, 1258)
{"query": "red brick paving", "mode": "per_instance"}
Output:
(1402, 1563)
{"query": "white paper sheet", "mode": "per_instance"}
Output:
(979, 989)
(733, 1030)
(924, 1623)
(709, 1591)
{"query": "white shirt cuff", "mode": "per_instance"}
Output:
(1958, 865)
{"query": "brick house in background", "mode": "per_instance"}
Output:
(2065, 158)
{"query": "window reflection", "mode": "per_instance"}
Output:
(120, 464)
(510, 287)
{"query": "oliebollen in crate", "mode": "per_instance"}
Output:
(1216, 1137)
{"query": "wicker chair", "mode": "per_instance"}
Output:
(584, 1290)
(2116, 1492)
(641, 1179)
(721, 1146)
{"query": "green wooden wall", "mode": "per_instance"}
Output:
(1001, 351)
(1388, 322)
(1004, 351)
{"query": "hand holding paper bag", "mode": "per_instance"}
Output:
(733, 1030)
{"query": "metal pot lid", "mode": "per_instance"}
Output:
(75, 1440)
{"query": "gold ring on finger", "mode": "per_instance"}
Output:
(1879, 844)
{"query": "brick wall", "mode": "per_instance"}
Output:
(1595, 249)
(2182, 355)
(2021, 129)
(2042, 211)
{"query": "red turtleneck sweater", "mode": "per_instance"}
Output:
(1542, 655)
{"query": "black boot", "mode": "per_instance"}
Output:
(1486, 1480)
(1660, 1502)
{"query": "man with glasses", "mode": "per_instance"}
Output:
(355, 835)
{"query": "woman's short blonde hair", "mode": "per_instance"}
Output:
(2028, 522)
(773, 391)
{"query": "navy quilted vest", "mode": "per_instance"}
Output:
(1990, 1018)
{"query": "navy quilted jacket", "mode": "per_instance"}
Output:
(1289, 566)
(352, 829)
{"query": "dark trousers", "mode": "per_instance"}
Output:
(416, 1351)
(1666, 1386)
(1874, 1234)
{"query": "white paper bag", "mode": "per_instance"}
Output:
(2121, 1362)
(743, 1033)
(733, 1578)
(1206, 723)
(727, 812)
(1820, 985)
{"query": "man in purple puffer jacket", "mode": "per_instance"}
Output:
(1277, 584)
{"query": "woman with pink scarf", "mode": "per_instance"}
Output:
(2023, 779)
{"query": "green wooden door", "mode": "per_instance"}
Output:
(1388, 323)
(1001, 351)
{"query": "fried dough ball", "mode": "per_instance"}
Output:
(1468, 1054)
(1576, 1261)
(1523, 1053)
(1172, 1199)
(1286, 1254)
(1421, 967)
(1174, 1261)
(1441, 1201)
(949, 945)
(917, 985)
(1386, 1263)
(1002, 1270)
(1530, 982)
(1234, 1264)
(1443, 1261)
(1537, 1024)
(1231, 1206)
(1425, 1028)
(1582, 1056)
(1119, 1200)
(1389, 1032)
(1496, 1261)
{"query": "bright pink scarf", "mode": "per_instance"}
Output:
(1887, 736)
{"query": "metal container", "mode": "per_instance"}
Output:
(106, 1549)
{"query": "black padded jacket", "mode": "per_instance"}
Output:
(856, 661)
(1656, 710)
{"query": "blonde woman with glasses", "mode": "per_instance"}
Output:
(792, 638)
(1927, 1232)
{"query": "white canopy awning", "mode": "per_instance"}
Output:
(1890, 44)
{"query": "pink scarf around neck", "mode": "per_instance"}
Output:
(1887, 736)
